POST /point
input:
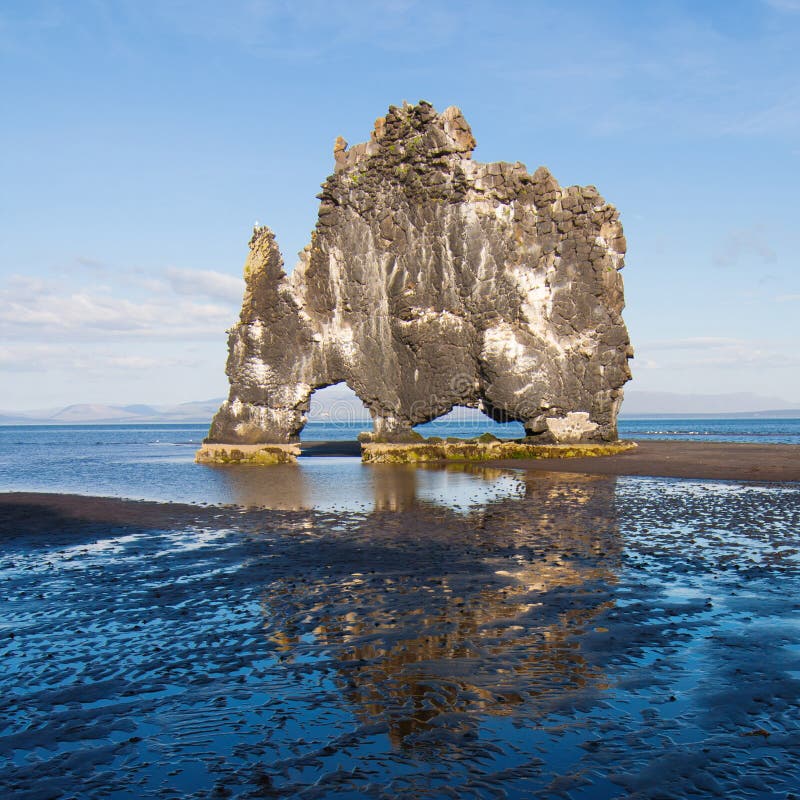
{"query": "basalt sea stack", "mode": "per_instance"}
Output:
(431, 281)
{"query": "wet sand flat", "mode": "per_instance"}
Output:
(667, 459)
(588, 637)
(679, 459)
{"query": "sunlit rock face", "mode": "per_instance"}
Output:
(432, 281)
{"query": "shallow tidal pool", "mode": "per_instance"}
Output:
(540, 635)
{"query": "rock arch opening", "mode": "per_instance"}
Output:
(335, 414)
(462, 422)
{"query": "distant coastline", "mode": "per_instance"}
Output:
(168, 419)
(338, 405)
(745, 428)
(780, 413)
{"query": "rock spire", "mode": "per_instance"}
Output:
(431, 281)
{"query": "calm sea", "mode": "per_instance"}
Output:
(155, 462)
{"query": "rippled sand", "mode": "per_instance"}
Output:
(580, 636)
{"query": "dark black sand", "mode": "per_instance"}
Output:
(678, 459)
(666, 459)
(596, 637)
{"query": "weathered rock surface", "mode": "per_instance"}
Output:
(433, 281)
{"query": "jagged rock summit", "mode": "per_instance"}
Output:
(431, 281)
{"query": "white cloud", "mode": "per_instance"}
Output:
(79, 310)
(153, 285)
(29, 357)
(68, 338)
(206, 283)
(134, 362)
(35, 309)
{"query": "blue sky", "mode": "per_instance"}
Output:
(141, 141)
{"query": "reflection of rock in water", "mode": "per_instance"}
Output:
(437, 631)
(279, 486)
(399, 487)
(327, 484)
(395, 486)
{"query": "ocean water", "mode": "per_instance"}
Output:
(156, 462)
(762, 431)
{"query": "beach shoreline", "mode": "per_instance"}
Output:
(771, 463)
(652, 458)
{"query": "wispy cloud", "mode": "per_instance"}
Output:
(742, 245)
(791, 6)
(693, 343)
(712, 351)
(777, 115)
(92, 264)
(206, 283)
(33, 357)
(184, 305)
(64, 333)
(310, 30)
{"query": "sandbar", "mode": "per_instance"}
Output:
(652, 458)
(681, 459)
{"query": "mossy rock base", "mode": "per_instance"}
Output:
(256, 454)
(379, 453)
(400, 437)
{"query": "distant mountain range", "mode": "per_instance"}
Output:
(100, 414)
(739, 404)
(340, 404)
